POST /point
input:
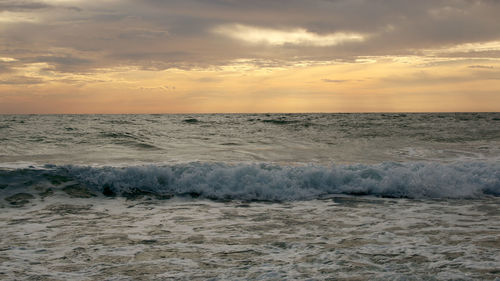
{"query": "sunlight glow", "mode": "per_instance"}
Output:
(467, 48)
(275, 37)
(6, 59)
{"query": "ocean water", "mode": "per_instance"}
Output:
(250, 197)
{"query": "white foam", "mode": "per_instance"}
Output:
(273, 182)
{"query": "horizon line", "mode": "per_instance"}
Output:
(234, 113)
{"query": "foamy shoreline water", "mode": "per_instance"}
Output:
(341, 238)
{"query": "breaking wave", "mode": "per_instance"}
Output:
(269, 182)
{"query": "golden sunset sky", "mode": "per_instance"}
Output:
(201, 56)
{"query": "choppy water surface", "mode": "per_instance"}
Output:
(277, 138)
(250, 197)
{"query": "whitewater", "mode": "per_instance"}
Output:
(250, 197)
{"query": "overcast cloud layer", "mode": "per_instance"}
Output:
(78, 36)
(160, 56)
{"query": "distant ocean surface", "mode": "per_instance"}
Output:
(250, 197)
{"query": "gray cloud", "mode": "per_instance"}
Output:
(4, 68)
(154, 34)
(58, 60)
(481, 66)
(19, 5)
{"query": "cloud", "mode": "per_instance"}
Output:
(208, 79)
(6, 59)
(20, 5)
(61, 60)
(439, 78)
(156, 35)
(467, 48)
(21, 80)
(158, 88)
(481, 66)
(17, 17)
(142, 34)
(6, 64)
(296, 36)
(334, 81)
(3, 68)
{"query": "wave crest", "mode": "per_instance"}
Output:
(281, 183)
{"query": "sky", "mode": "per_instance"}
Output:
(207, 56)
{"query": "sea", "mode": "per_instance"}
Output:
(406, 196)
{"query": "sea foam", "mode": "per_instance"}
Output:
(282, 183)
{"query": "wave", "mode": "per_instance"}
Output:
(269, 182)
(129, 139)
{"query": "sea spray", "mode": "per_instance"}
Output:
(271, 182)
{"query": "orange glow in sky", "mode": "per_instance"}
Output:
(230, 56)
